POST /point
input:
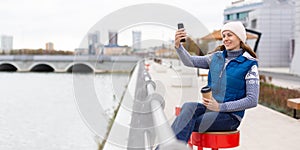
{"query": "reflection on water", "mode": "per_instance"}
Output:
(38, 111)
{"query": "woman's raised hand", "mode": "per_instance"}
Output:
(180, 34)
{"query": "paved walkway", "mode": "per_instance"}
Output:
(261, 128)
(281, 77)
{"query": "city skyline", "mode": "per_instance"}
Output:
(66, 26)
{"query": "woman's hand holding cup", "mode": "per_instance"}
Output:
(208, 100)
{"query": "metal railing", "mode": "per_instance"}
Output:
(151, 105)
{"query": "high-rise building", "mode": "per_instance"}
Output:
(240, 10)
(136, 40)
(6, 43)
(275, 20)
(49, 46)
(93, 42)
(113, 38)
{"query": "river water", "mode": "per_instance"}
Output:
(38, 111)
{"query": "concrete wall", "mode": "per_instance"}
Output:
(275, 20)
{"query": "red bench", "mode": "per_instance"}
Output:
(213, 140)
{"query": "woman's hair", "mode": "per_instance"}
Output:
(244, 46)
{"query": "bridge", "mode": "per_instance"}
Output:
(67, 63)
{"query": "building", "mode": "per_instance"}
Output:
(93, 43)
(115, 50)
(81, 51)
(164, 52)
(113, 38)
(296, 53)
(136, 40)
(6, 43)
(275, 20)
(49, 46)
(239, 11)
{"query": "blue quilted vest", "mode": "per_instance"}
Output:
(229, 84)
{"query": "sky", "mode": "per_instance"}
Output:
(32, 23)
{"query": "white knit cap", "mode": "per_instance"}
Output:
(237, 28)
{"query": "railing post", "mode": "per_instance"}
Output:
(163, 131)
(141, 134)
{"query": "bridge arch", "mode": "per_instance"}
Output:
(42, 67)
(11, 67)
(80, 68)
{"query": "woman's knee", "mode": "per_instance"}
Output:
(189, 107)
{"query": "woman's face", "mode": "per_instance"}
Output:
(230, 40)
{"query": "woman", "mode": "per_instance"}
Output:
(233, 78)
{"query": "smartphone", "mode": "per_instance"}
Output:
(180, 25)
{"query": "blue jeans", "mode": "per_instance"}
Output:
(194, 117)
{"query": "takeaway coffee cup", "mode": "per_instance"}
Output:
(206, 92)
